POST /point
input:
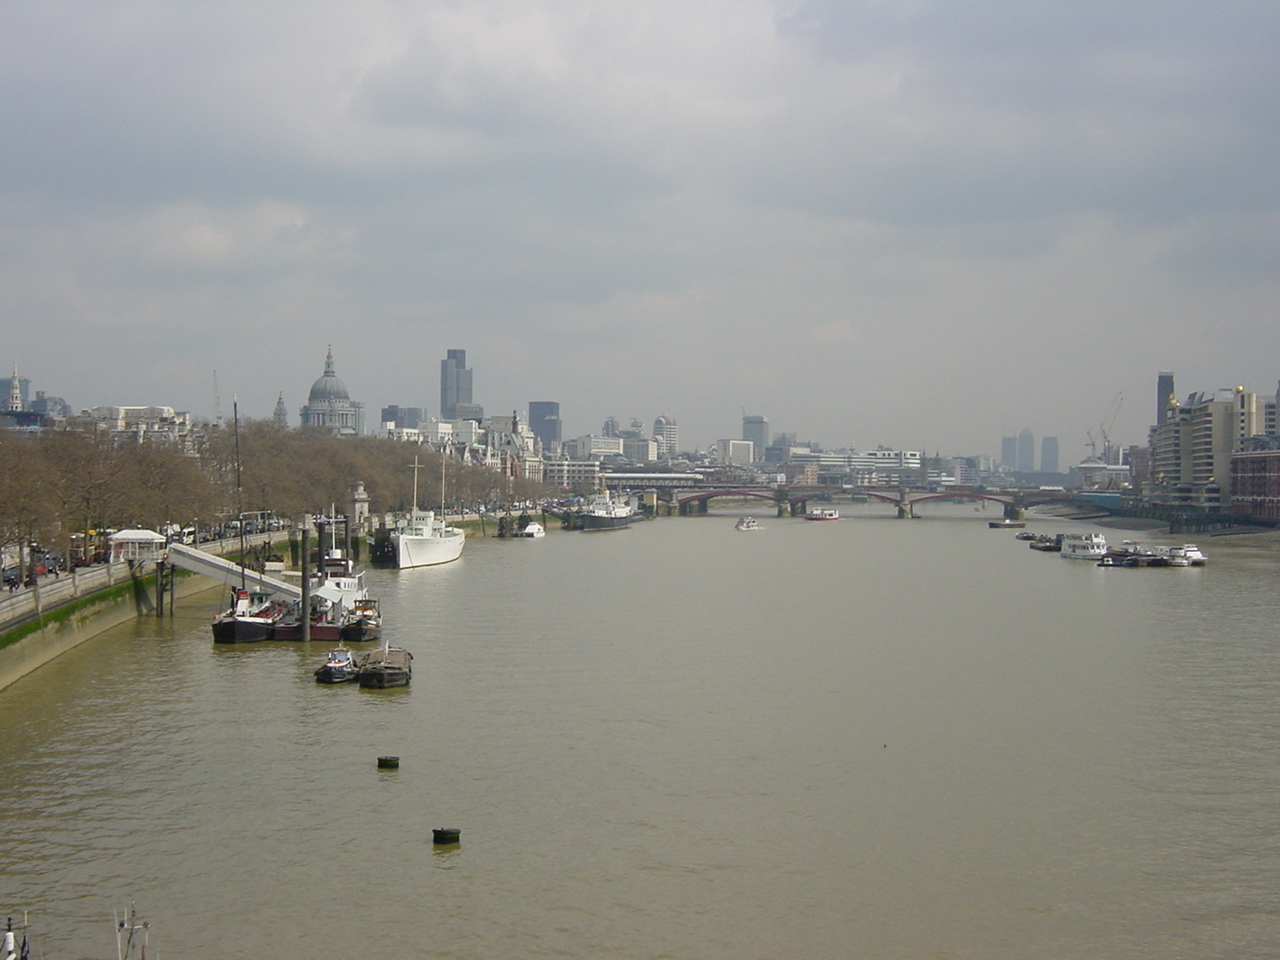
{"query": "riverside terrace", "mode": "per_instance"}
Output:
(691, 493)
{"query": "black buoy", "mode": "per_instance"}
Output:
(388, 763)
(446, 836)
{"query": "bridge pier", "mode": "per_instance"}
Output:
(704, 506)
(1014, 512)
(799, 508)
(906, 509)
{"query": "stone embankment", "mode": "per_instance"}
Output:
(59, 613)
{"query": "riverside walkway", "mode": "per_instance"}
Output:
(54, 591)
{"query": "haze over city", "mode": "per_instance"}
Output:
(926, 225)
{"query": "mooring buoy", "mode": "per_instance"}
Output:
(388, 763)
(446, 836)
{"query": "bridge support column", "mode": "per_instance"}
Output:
(799, 508)
(1014, 512)
(782, 507)
(906, 509)
(704, 505)
(684, 509)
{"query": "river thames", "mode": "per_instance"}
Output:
(815, 741)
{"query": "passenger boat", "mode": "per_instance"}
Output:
(605, 513)
(746, 523)
(252, 616)
(424, 540)
(1084, 546)
(823, 513)
(387, 667)
(339, 667)
(1195, 556)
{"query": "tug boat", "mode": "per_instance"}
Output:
(339, 667)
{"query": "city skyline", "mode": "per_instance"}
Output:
(922, 225)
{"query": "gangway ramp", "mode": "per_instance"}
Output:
(232, 574)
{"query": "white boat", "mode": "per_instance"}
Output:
(605, 513)
(823, 513)
(746, 523)
(532, 531)
(1084, 546)
(1195, 556)
(424, 540)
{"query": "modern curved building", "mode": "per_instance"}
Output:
(330, 407)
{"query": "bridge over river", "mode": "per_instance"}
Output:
(686, 495)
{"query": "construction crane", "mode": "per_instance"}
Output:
(1104, 427)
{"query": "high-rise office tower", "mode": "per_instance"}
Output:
(544, 421)
(455, 388)
(1049, 455)
(1026, 452)
(667, 434)
(1009, 452)
(1164, 393)
(756, 429)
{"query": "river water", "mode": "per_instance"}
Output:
(867, 738)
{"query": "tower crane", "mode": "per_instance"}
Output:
(1104, 427)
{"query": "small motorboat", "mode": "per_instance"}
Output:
(530, 531)
(339, 667)
(746, 523)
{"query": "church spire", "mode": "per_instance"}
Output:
(328, 363)
(15, 390)
(281, 414)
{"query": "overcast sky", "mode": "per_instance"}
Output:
(918, 224)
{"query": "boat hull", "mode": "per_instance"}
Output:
(242, 630)
(359, 631)
(378, 678)
(414, 551)
(592, 521)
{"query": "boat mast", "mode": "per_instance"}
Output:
(235, 413)
(415, 484)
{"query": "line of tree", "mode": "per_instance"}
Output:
(56, 486)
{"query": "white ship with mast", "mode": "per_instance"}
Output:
(424, 540)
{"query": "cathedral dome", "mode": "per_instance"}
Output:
(328, 387)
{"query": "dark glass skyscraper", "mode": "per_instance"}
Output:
(1164, 393)
(455, 386)
(544, 421)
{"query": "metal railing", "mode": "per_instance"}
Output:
(53, 591)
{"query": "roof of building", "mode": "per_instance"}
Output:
(328, 387)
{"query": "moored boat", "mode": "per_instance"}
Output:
(1084, 546)
(386, 667)
(363, 622)
(252, 616)
(339, 667)
(602, 512)
(1005, 524)
(530, 531)
(425, 540)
